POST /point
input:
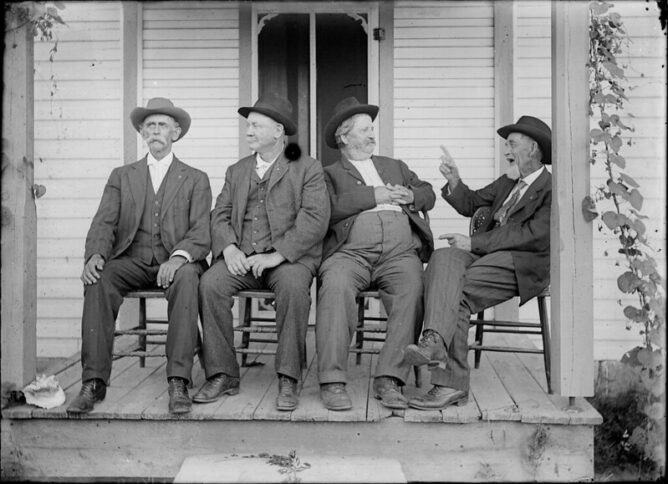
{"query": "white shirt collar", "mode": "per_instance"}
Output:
(261, 162)
(529, 179)
(166, 161)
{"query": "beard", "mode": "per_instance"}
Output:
(513, 171)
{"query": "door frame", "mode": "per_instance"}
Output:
(313, 8)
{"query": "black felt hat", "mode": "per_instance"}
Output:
(161, 105)
(276, 107)
(342, 111)
(536, 129)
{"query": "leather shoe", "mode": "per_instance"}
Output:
(387, 390)
(429, 351)
(287, 398)
(438, 398)
(335, 396)
(179, 401)
(92, 391)
(215, 387)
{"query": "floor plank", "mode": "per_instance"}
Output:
(490, 394)
(533, 403)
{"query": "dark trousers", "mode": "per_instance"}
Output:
(103, 299)
(290, 282)
(458, 284)
(380, 250)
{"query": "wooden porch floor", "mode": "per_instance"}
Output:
(513, 430)
(506, 387)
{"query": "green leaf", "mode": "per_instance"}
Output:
(618, 160)
(636, 199)
(627, 179)
(616, 143)
(638, 226)
(634, 314)
(614, 220)
(613, 69)
(599, 8)
(628, 282)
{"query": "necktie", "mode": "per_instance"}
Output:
(501, 216)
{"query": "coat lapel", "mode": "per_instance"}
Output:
(380, 168)
(241, 188)
(176, 175)
(532, 192)
(350, 169)
(138, 179)
(279, 170)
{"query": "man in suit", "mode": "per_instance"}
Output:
(151, 229)
(267, 229)
(508, 256)
(376, 238)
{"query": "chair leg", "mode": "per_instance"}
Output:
(545, 333)
(246, 305)
(479, 334)
(142, 325)
(359, 335)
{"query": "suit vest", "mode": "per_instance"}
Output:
(147, 244)
(255, 232)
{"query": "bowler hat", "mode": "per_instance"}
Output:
(276, 107)
(534, 128)
(342, 111)
(161, 105)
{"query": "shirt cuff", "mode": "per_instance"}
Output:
(182, 253)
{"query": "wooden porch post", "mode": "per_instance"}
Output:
(571, 237)
(386, 79)
(19, 220)
(504, 96)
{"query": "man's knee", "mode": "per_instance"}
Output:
(213, 283)
(187, 274)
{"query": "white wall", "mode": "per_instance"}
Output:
(444, 94)
(77, 137)
(646, 158)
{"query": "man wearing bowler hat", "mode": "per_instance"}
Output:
(150, 230)
(267, 229)
(376, 238)
(508, 256)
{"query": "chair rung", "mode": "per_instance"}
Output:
(253, 351)
(374, 338)
(372, 351)
(255, 329)
(259, 293)
(370, 329)
(505, 349)
(493, 322)
(145, 332)
(510, 331)
(139, 354)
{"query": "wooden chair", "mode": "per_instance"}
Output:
(141, 330)
(248, 326)
(483, 325)
(376, 331)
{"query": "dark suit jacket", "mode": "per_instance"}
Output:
(350, 196)
(526, 234)
(184, 213)
(297, 207)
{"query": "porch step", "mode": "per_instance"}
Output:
(279, 468)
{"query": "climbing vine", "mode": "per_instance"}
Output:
(624, 219)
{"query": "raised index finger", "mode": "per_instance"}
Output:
(446, 152)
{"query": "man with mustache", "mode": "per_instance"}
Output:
(376, 238)
(151, 229)
(267, 229)
(508, 256)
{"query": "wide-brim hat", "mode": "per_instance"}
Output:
(534, 128)
(342, 111)
(161, 105)
(276, 107)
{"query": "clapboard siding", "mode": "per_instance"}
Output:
(190, 53)
(645, 61)
(444, 94)
(77, 135)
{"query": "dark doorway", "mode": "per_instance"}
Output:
(341, 70)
